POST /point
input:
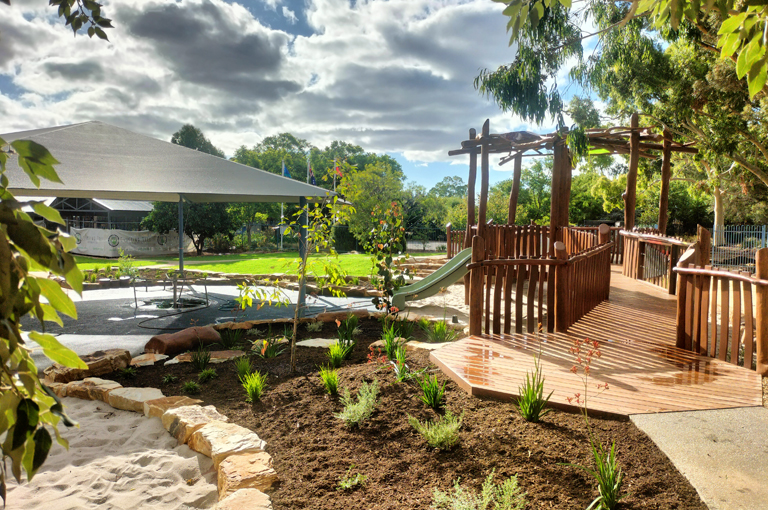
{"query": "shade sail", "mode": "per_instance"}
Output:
(98, 160)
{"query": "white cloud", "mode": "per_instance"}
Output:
(289, 15)
(393, 76)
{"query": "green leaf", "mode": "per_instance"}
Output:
(57, 352)
(56, 297)
(757, 77)
(100, 34)
(49, 213)
(49, 314)
(741, 65)
(35, 160)
(67, 241)
(43, 443)
(27, 415)
(732, 24)
(730, 43)
(566, 3)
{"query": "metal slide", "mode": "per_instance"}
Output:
(451, 272)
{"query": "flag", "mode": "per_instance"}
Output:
(312, 177)
(285, 171)
(338, 172)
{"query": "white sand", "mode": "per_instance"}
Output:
(448, 303)
(117, 460)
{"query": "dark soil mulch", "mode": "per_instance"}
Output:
(312, 449)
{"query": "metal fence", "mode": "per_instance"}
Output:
(734, 246)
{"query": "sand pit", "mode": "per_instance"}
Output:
(448, 303)
(117, 460)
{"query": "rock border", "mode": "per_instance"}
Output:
(243, 469)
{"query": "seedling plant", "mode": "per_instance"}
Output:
(254, 385)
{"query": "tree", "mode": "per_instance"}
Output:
(450, 187)
(201, 221)
(192, 137)
(28, 406)
(248, 214)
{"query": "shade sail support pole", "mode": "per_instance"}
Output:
(181, 234)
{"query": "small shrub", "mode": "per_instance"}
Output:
(206, 375)
(337, 353)
(169, 379)
(355, 413)
(532, 404)
(200, 358)
(128, 372)
(254, 385)
(391, 341)
(314, 327)
(271, 348)
(125, 265)
(506, 496)
(424, 324)
(348, 482)
(243, 367)
(401, 368)
(230, 338)
(404, 328)
(440, 332)
(190, 387)
(330, 378)
(255, 332)
(432, 393)
(442, 433)
(347, 329)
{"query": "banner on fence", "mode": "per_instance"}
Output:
(108, 243)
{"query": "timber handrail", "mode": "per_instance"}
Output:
(589, 252)
(721, 274)
(517, 262)
(655, 239)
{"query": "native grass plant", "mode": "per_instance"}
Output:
(330, 378)
(442, 433)
(128, 372)
(315, 327)
(386, 243)
(338, 353)
(230, 338)
(271, 347)
(606, 472)
(320, 219)
(243, 367)
(532, 403)
(169, 379)
(424, 324)
(355, 413)
(347, 330)
(254, 385)
(190, 387)
(441, 332)
(30, 410)
(432, 393)
(391, 340)
(505, 496)
(348, 482)
(206, 375)
(201, 357)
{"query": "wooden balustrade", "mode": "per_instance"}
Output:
(715, 312)
(617, 252)
(455, 241)
(651, 257)
(578, 240)
(510, 266)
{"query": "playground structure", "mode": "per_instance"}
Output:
(536, 289)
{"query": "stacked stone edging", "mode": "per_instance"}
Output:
(244, 469)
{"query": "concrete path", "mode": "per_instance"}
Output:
(723, 453)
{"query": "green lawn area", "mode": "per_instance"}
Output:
(245, 263)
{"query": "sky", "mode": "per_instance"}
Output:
(393, 76)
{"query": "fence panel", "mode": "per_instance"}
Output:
(734, 246)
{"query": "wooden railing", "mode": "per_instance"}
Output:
(501, 275)
(617, 252)
(737, 332)
(578, 240)
(455, 241)
(651, 257)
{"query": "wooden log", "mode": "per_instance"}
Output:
(476, 288)
(522, 275)
(449, 241)
(725, 317)
(562, 290)
(603, 234)
(704, 237)
(471, 193)
(630, 195)
(705, 284)
(640, 262)
(736, 324)
(484, 176)
(761, 267)
(749, 328)
(515, 191)
(531, 298)
(666, 173)
(682, 297)
(713, 319)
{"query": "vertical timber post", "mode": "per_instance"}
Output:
(470, 206)
(666, 173)
(704, 237)
(761, 268)
(562, 289)
(630, 195)
(448, 241)
(561, 194)
(484, 170)
(476, 287)
(515, 191)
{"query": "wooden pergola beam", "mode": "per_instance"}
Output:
(630, 195)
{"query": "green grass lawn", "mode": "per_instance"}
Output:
(245, 263)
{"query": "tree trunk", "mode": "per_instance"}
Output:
(250, 225)
(198, 244)
(719, 216)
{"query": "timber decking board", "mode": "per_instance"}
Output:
(644, 370)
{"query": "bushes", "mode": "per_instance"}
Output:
(442, 433)
(254, 385)
(506, 496)
(354, 413)
(330, 378)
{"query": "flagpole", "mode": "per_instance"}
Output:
(334, 175)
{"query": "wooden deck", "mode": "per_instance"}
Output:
(644, 370)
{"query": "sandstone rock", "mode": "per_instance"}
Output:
(157, 407)
(132, 399)
(99, 363)
(317, 342)
(60, 389)
(146, 360)
(380, 344)
(181, 341)
(249, 471)
(91, 388)
(245, 499)
(334, 316)
(219, 440)
(427, 346)
(216, 357)
(181, 422)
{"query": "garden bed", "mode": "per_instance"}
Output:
(312, 449)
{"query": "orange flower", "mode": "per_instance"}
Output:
(338, 323)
